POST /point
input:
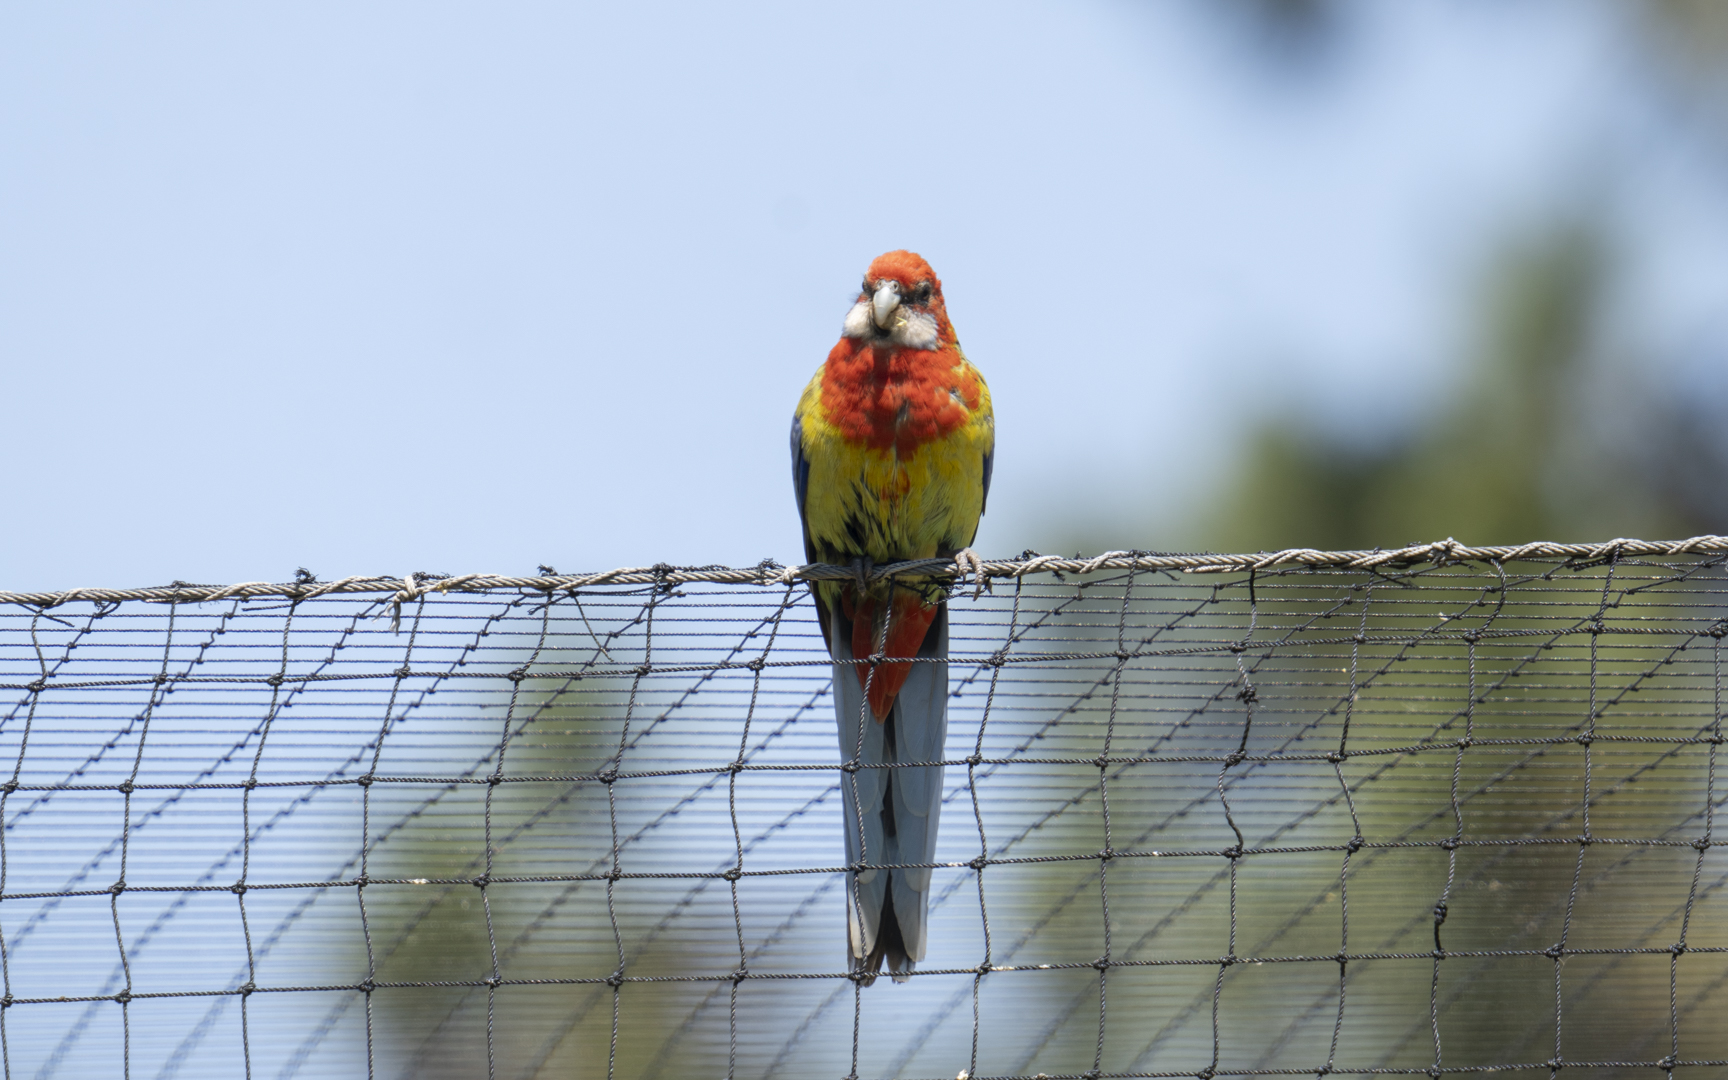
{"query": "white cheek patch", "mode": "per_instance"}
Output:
(914, 330)
(857, 323)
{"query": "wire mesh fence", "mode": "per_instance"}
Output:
(1439, 810)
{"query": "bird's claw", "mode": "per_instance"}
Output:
(966, 560)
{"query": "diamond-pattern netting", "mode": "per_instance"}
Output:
(1417, 817)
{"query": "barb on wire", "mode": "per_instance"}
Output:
(407, 589)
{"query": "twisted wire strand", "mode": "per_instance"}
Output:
(412, 587)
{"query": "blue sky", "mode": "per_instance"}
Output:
(381, 288)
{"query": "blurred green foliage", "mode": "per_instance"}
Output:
(1549, 428)
(446, 930)
(1522, 449)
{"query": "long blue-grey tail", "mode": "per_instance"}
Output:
(891, 813)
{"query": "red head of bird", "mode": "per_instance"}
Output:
(892, 380)
(900, 307)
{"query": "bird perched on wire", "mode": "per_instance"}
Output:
(891, 452)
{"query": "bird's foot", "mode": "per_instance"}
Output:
(967, 560)
(863, 566)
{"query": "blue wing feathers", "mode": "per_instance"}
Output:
(801, 464)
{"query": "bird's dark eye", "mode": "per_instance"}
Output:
(866, 286)
(922, 293)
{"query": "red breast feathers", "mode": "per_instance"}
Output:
(891, 381)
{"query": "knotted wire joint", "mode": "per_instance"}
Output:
(410, 592)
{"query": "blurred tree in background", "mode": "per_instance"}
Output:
(1524, 449)
(1551, 428)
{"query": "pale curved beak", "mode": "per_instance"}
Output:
(884, 303)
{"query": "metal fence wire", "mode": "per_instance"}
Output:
(1420, 812)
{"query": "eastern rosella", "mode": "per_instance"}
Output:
(891, 450)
